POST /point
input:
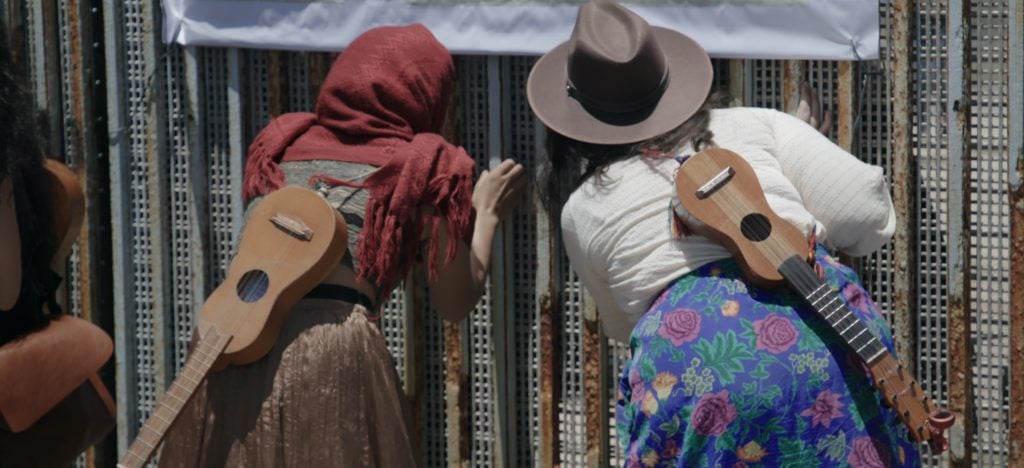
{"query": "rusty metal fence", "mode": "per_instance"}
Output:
(159, 134)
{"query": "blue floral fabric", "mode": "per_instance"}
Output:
(726, 374)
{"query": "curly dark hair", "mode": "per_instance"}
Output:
(21, 159)
(570, 161)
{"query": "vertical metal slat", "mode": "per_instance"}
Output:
(958, 234)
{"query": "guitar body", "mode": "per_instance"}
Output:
(68, 209)
(723, 201)
(292, 241)
(728, 224)
(251, 305)
(68, 212)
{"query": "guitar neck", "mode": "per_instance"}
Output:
(177, 396)
(831, 307)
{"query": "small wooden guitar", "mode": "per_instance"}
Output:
(68, 209)
(68, 212)
(292, 241)
(724, 201)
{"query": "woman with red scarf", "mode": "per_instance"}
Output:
(327, 394)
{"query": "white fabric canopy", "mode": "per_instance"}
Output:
(776, 29)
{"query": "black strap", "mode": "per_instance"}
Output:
(341, 293)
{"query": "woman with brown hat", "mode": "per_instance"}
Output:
(722, 373)
(328, 394)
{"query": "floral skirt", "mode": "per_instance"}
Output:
(726, 374)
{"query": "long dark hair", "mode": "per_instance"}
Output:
(21, 159)
(570, 161)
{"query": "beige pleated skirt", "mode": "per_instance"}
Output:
(326, 395)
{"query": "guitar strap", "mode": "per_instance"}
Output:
(341, 293)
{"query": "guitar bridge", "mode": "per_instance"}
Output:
(293, 227)
(717, 181)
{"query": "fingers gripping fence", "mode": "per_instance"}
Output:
(528, 379)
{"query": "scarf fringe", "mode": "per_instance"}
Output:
(395, 219)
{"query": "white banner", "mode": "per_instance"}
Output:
(770, 29)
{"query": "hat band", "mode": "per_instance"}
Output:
(618, 107)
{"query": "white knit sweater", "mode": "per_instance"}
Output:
(616, 228)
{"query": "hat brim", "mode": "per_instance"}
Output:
(689, 83)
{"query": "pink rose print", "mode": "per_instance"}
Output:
(865, 454)
(854, 296)
(633, 458)
(775, 334)
(636, 386)
(680, 326)
(824, 409)
(713, 414)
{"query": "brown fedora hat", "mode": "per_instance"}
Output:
(618, 79)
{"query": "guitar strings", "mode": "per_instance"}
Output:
(736, 205)
(762, 228)
(251, 283)
(219, 335)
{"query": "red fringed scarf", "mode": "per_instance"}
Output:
(382, 104)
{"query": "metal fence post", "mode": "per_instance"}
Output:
(958, 198)
(1015, 46)
(904, 186)
(794, 72)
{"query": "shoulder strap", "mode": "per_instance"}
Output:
(42, 368)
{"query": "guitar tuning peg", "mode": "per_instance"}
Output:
(938, 421)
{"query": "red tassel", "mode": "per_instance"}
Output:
(262, 172)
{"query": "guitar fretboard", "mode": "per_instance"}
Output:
(172, 402)
(831, 307)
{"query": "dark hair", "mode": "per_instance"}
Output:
(570, 161)
(21, 159)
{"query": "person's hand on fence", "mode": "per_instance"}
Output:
(499, 190)
(810, 110)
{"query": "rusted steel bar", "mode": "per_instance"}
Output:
(793, 74)
(74, 146)
(846, 104)
(415, 358)
(80, 152)
(958, 201)
(456, 394)
(277, 89)
(738, 81)
(550, 380)
(1015, 46)
(595, 378)
(319, 64)
(51, 61)
(904, 186)
(456, 339)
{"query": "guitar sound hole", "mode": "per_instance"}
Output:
(252, 286)
(755, 227)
